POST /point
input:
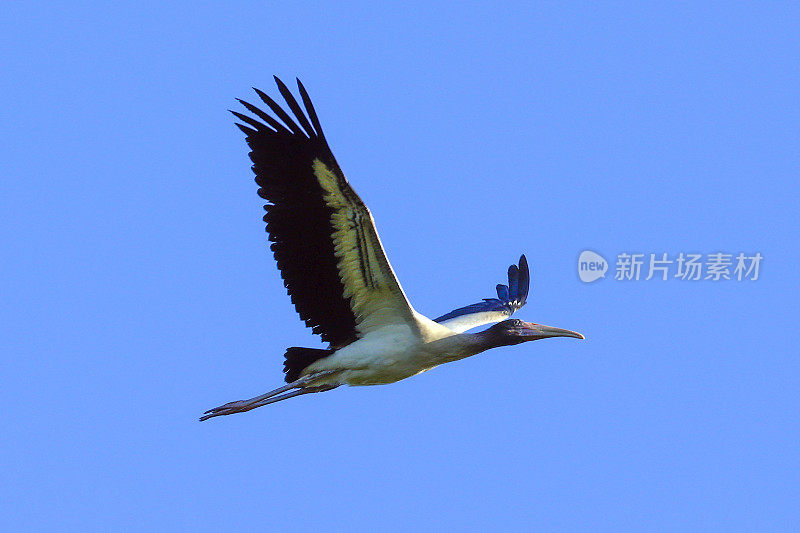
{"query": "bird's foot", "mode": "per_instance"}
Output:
(302, 386)
(229, 408)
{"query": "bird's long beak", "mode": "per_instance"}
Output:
(540, 331)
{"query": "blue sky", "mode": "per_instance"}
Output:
(138, 289)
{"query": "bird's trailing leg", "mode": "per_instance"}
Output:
(303, 386)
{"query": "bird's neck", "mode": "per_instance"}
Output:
(489, 339)
(464, 345)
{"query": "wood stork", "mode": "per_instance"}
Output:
(339, 278)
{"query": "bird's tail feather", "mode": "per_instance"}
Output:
(298, 358)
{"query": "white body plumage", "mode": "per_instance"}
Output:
(393, 352)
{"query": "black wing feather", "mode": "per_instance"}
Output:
(311, 113)
(277, 126)
(293, 105)
(509, 297)
(298, 220)
(256, 124)
(246, 130)
(278, 110)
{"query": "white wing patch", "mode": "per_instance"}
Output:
(462, 323)
(376, 297)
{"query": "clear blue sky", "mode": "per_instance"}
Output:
(138, 290)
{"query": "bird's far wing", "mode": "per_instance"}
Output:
(323, 236)
(509, 299)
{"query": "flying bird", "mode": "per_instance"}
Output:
(339, 278)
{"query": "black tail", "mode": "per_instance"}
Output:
(297, 359)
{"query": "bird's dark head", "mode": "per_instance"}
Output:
(515, 331)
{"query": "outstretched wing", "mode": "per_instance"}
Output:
(323, 236)
(509, 299)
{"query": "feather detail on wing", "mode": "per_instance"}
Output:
(509, 299)
(370, 284)
(323, 236)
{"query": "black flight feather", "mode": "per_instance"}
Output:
(298, 219)
(277, 126)
(294, 107)
(509, 297)
(280, 112)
